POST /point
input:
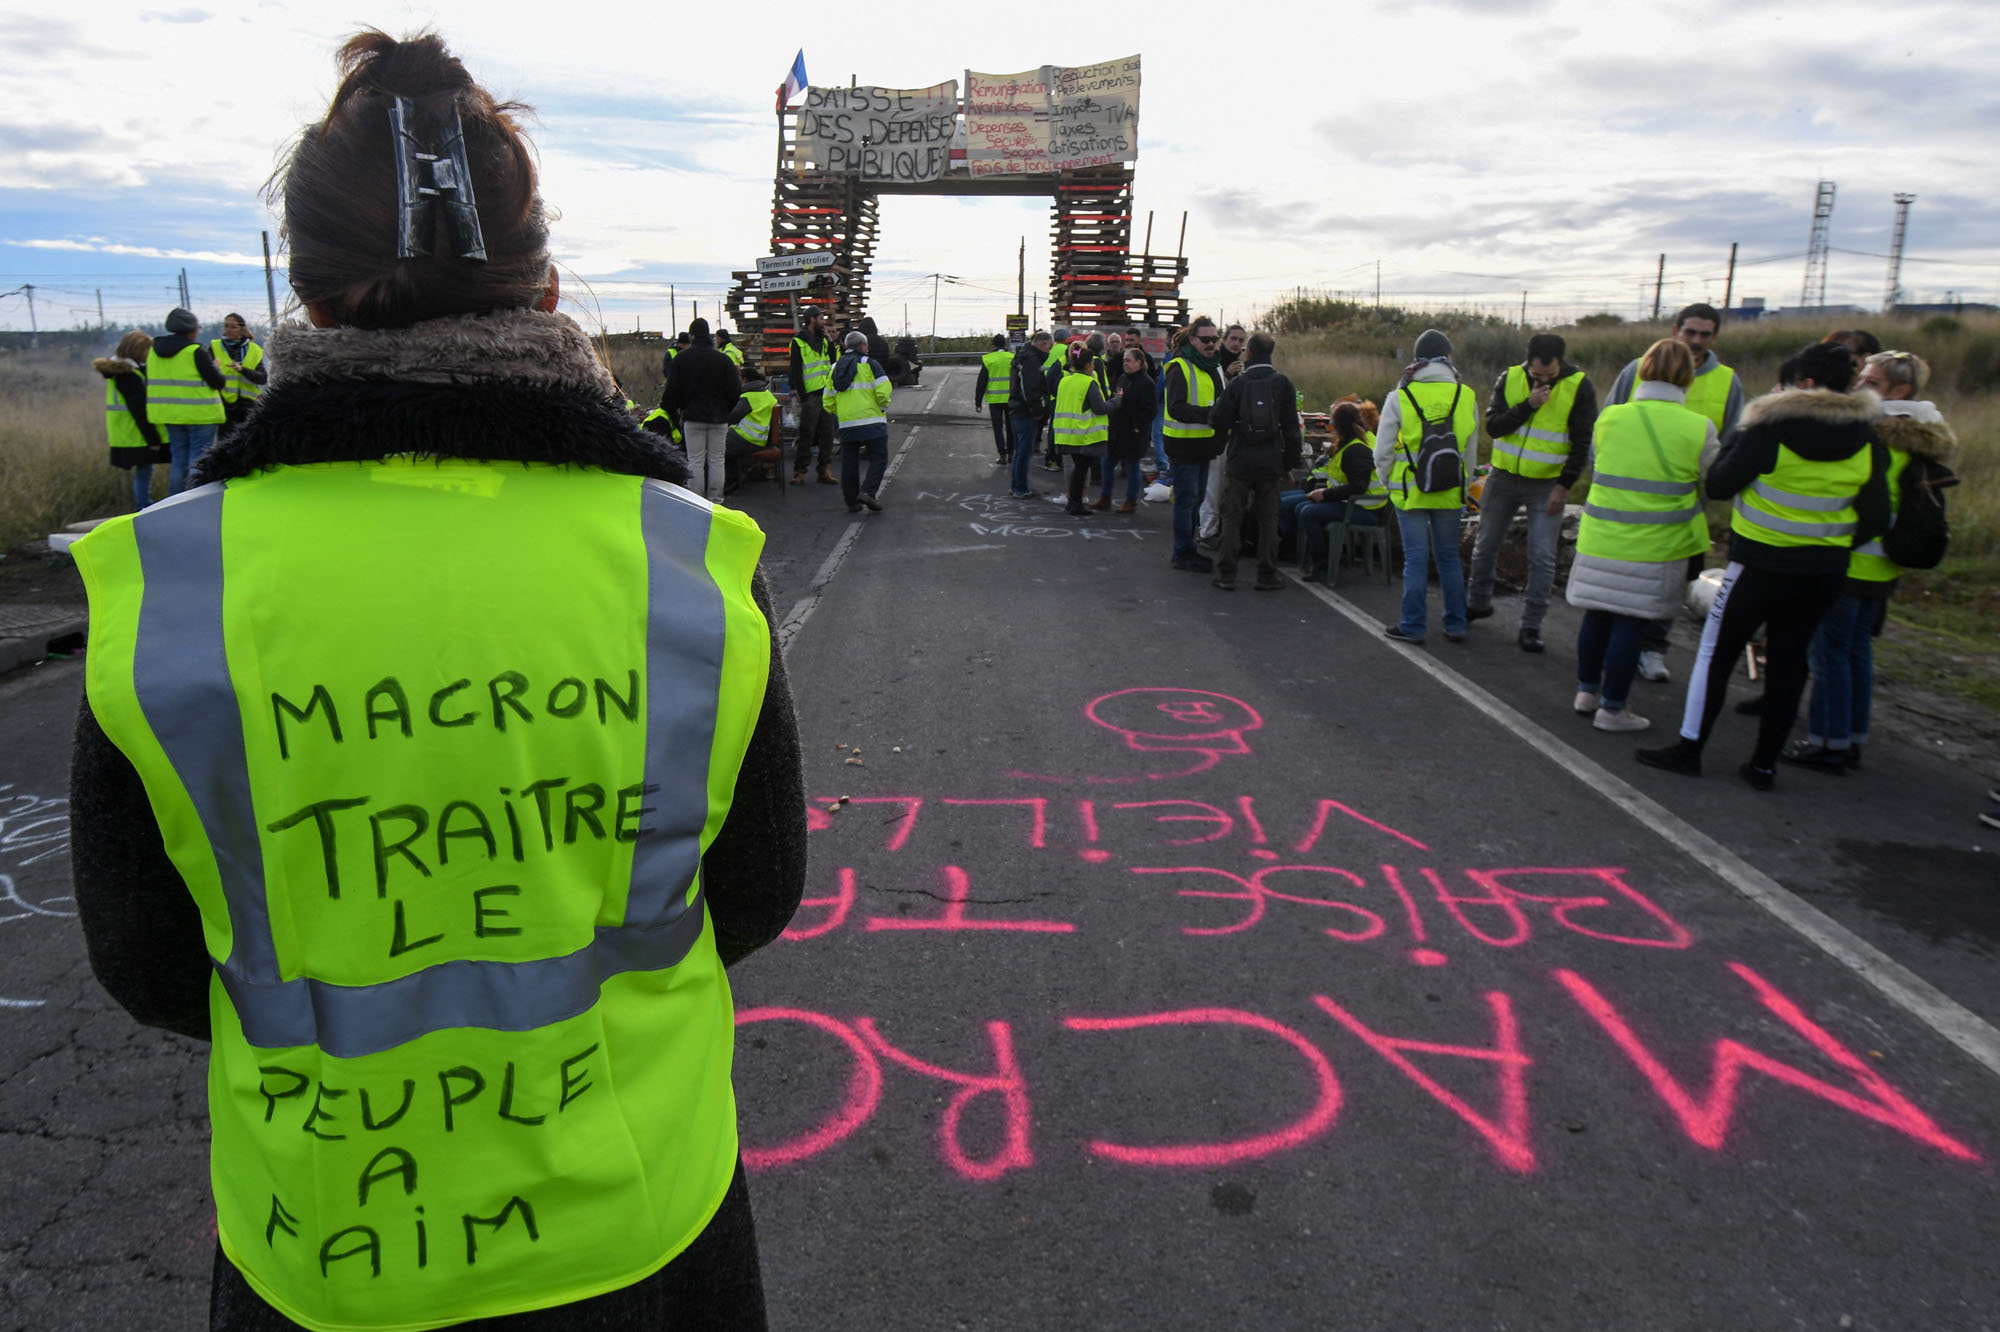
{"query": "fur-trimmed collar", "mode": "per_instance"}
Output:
(1823, 406)
(517, 386)
(521, 346)
(1917, 435)
(112, 366)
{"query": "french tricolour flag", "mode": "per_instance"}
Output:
(795, 81)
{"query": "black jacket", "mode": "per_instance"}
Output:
(1178, 408)
(1132, 423)
(1027, 387)
(1818, 425)
(702, 384)
(1502, 420)
(139, 922)
(1249, 459)
(173, 344)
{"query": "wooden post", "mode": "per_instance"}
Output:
(1659, 277)
(1729, 287)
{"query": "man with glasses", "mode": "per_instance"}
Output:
(1193, 384)
(1717, 394)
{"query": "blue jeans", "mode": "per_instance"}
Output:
(1190, 489)
(852, 484)
(1313, 518)
(1504, 496)
(142, 486)
(1431, 534)
(1132, 480)
(1025, 428)
(186, 443)
(1843, 671)
(1288, 508)
(1607, 656)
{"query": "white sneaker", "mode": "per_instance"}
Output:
(1622, 720)
(1653, 666)
(1586, 702)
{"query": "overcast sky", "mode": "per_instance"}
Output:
(1475, 150)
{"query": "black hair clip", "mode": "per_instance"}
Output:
(430, 175)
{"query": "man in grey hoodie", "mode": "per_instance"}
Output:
(857, 397)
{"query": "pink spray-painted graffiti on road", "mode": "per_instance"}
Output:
(1199, 727)
(1225, 875)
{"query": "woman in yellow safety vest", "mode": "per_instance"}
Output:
(1343, 485)
(1641, 524)
(135, 441)
(1808, 479)
(464, 761)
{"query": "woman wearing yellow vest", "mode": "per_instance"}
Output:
(1808, 479)
(1082, 422)
(1430, 397)
(1843, 649)
(135, 442)
(435, 760)
(1641, 524)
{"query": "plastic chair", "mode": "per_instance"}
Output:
(1366, 543)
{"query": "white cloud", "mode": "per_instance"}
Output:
(1472, 148)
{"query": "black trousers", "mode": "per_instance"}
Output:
(815, 430)
(1790, 607)
(1002, 441)
(1086, 465)
(713, 1283)
(1260, 499)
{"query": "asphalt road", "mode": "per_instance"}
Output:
(1182, 959)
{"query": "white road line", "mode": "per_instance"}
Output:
(802, 609)
(1896, 982)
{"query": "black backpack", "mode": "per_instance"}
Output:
(1260, 411)
(1920, 535)
(1437, 465)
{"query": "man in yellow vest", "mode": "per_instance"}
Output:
(1193, 378)
(811, 363)
(857, 397)
(1809, 479)
(183, 394)
(726, 344)
(1717, 394)
(990, 391)
(1540, 419)
(1427, 423)
(753, 427)
(241, 361)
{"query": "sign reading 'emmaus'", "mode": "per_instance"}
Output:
(879, 134)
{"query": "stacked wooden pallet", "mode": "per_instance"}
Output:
(1098, 278)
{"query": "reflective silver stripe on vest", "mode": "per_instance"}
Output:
(1545, 436)
(1777, 524)
(750, 430)
(684, 640)
(1811, 503)
(1872, 548)
(1643, 485)
(1646, 516)
(1509, 447)
(116, 407)
(182, 682)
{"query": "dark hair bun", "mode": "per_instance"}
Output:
(338, 194)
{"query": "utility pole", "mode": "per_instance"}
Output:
(934, 309)
(187, 301)
(1524, 309)
(1021, 279)
(1659, 277)
(1378, 286)
(34, 332)
(673, 314)
(100, 307)
(1729, 287)
(270, 287)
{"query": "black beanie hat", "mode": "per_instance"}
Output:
(182, 321)
(1431, 345)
